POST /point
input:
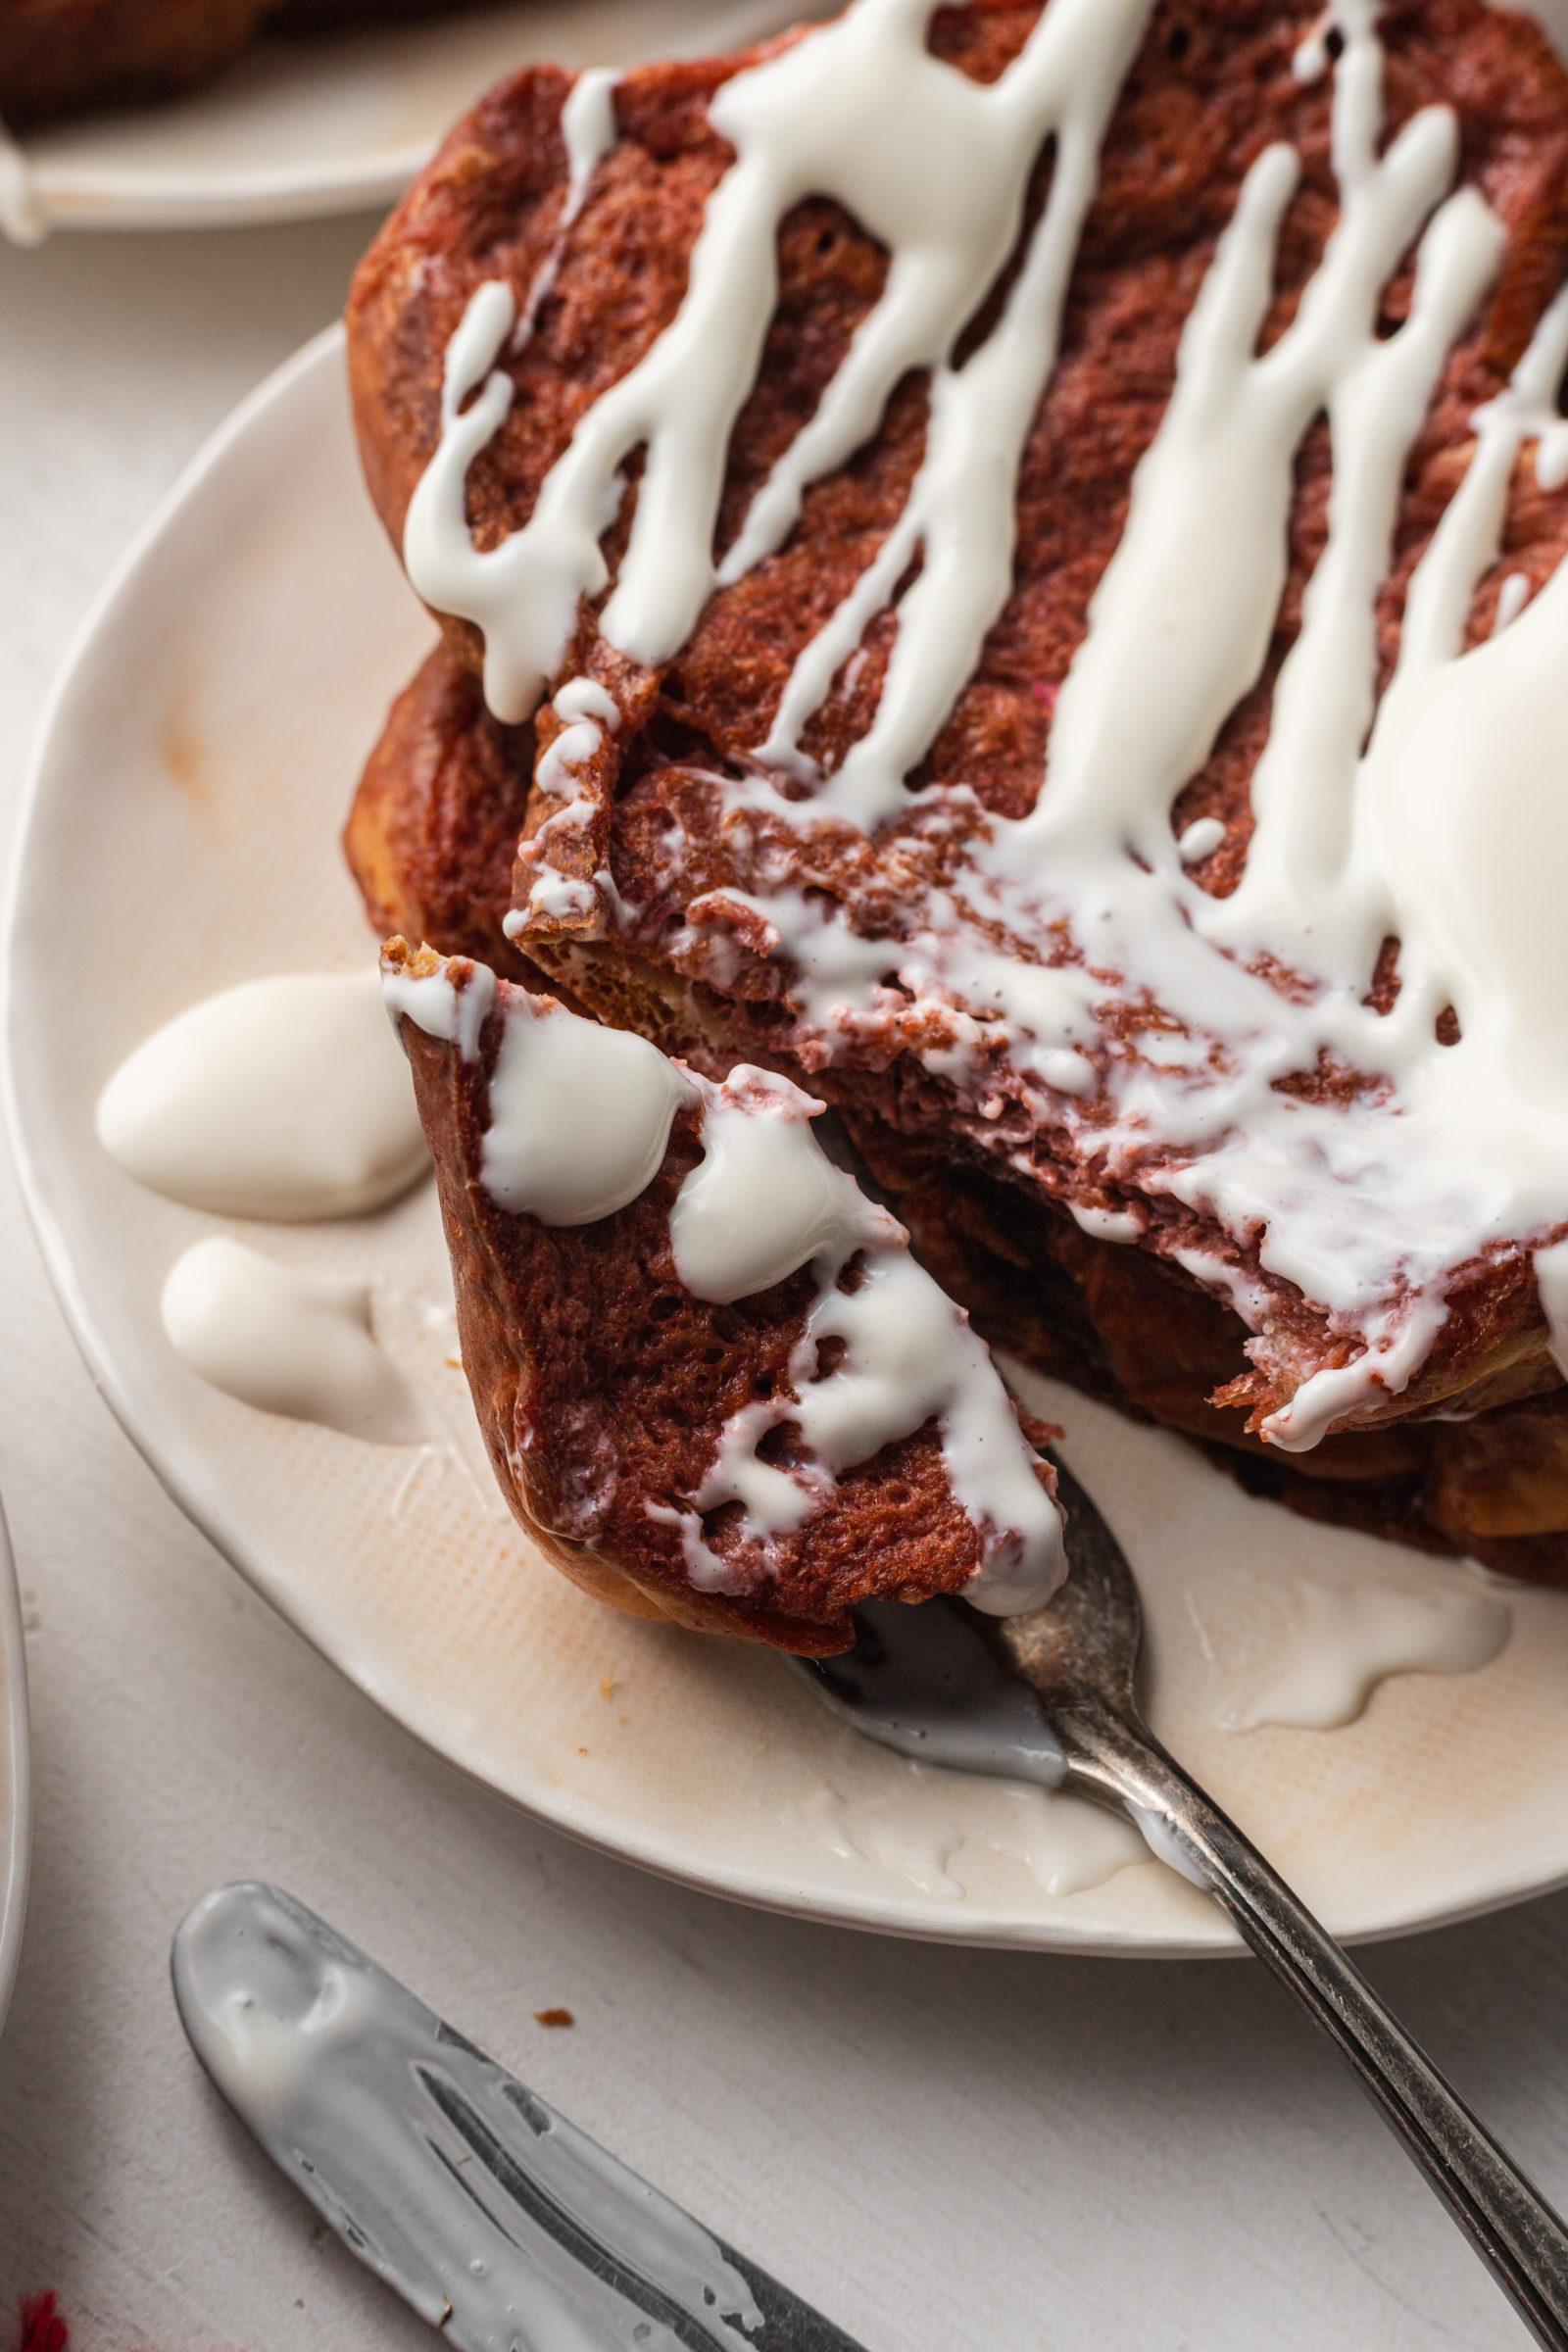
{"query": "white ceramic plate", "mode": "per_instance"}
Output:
(194, 772)
(14, 1802)
(297, 129)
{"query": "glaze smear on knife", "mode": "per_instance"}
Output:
(496, 2219)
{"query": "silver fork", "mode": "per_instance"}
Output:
(1051, 1698)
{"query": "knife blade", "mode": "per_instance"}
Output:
(501, 2223)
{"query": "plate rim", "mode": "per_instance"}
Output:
(16, 1746)
(113, 198)
(587, 1822)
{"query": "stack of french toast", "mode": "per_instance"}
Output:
(1017, 483)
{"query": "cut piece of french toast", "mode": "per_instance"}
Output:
(715, 1385)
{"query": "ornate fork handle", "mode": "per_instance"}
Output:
(1511, 2225)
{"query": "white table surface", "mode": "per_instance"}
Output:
(948, 2151)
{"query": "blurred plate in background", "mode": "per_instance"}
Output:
(294, 129)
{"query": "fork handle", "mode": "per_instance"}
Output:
(1509, 2224)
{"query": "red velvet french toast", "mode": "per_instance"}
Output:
(715, 1385)
(1061, 513)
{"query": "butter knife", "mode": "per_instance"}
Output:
(499, 2221)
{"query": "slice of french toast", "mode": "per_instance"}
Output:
(714, 1384)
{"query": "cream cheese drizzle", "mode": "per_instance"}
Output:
(288, 1342)
(438, 555)
(432, 1002)
(932, 1829)
(587, 714)
(579, 1115)
(283, 1098)
(1200, 840)
(1438, 818)
(579, 1124)
(766, 1200)
(1552, 1281)
(937, 168)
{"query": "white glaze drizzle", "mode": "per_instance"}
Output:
(1552, 1281)
(432, 1003)
(585, 697)
(1200, 839)
(942, 1831)
(1447, 831)
(1342, 1644)
(437, 552)
(936, 167)
(588, 714)
(766, 1200)
(579, 1123)
(284, 1098)
(1513, 598)
(588, 131)
(579, 1115)
(288, 1342)
(588, 128)
(557, 895)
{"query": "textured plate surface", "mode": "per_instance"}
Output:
(297, 129)
(182, 836)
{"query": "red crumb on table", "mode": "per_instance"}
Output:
(42, 2329)
(553, 2017)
